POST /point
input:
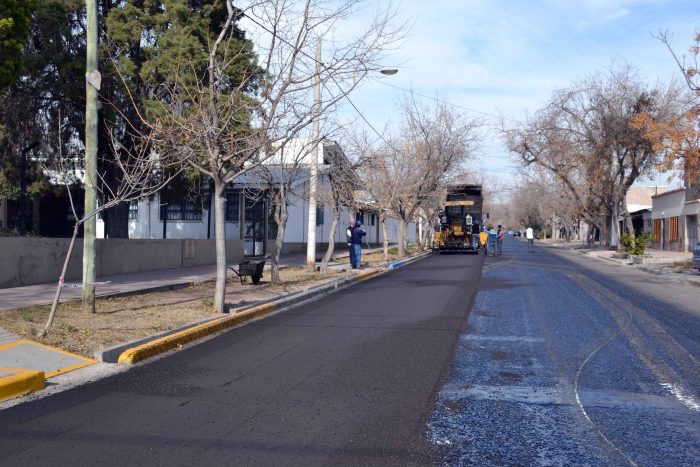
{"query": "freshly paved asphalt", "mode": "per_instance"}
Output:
(570, 361)
(349, 379)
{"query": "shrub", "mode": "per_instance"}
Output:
(627, 243)
(641, 242)
(635, 245)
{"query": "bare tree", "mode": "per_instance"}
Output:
(224, 124)
(378, 182)
(141, 173)
(585, 137)
(679, 138)
(432, 143)
(339, 193)
(282, 178)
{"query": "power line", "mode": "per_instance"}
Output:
(411, 91)
(324, 85)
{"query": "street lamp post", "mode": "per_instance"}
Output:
(92, 86)
(315, 135)
(316, 144)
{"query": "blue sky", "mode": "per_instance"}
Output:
(505, 57)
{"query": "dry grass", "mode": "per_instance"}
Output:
(122, 319)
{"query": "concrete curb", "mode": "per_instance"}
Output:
(640, 267)
(111, 354)
(20, 382)
(175, 339)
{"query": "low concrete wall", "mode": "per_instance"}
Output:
(294, 248)
(28, 261)
(31, 260)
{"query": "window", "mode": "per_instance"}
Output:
(183, 210)
(673, 230)
(233, 206)
(319, 215)
(372, 219)
(133, 210)
(657, 230)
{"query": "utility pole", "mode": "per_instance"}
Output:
(92, 86)
(313, 195)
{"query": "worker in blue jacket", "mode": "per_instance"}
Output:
(492, 239)
(357, 234)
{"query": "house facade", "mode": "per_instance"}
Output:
(674, 219)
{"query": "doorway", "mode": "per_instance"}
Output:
(692, 223)
(254, 227)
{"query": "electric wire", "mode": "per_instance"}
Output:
(345, 95)
(441, 101)
(410, 91)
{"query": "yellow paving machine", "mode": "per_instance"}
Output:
(460, 221)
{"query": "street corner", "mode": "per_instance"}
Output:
(35, 356)
(16, 382)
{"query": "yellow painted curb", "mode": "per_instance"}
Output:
(20, 383)
(366, 275)
(164, 344)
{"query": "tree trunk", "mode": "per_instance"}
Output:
(420, 232)
(402, 237)
(220, 242)
(385, 242)
(628, 220)
(61, 279)
(331, 240)
(281, 217)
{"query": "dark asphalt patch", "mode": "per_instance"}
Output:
(349, 379)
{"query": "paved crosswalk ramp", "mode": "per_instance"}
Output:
(35, 356)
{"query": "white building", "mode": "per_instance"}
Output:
(251, 219)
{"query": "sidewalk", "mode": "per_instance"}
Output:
(659, 262)
(167, 279)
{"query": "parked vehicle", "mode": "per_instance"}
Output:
(696, 256)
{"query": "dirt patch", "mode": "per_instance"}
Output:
(123, 319)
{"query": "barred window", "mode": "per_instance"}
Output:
(183, 210)
(133, 210)
(673, 230)
(657, 230)
(233, 206)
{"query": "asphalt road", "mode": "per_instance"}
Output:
(350, 379)
(572, 361)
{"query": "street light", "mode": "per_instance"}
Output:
(315, 135)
